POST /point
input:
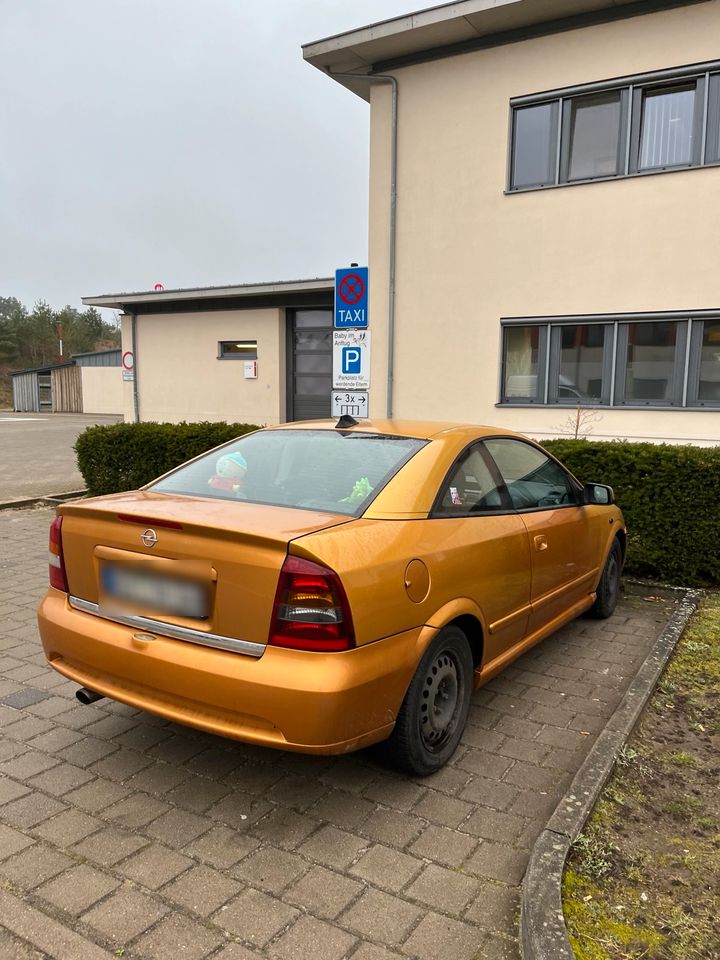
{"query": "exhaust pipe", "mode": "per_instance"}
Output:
(88, 696)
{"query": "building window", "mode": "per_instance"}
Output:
(523, 364)
(237, 350)
(580, 363)
(704, 388)
(662, 361)
(652, 357)
(594, 136)
(535, 150)
(712, 145)
(667, 127)
(642, 124)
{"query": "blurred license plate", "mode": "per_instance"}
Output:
(183, 598)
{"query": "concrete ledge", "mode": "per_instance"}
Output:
(543, 935)
(49, 500)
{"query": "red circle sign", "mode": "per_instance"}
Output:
(128, 360)
(351, 289)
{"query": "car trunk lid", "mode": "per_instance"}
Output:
(197, 563)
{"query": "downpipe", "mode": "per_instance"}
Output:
(388, 78)
(86, 696)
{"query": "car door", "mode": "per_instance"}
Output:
(564, 545)
(481, 549)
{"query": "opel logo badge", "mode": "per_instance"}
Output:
(149, 538)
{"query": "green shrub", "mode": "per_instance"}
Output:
(669, 495)
(125, 456)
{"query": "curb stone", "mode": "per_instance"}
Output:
(49, 500)
(543, 935)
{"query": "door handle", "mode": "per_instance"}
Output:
(540, 543)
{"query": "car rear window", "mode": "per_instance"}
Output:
(328, 470)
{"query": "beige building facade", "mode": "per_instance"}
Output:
(257, 353)
(102, 390)
(556, 241)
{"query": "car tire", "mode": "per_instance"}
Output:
(608, 589)
(433, 714)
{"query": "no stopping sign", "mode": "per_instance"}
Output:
(351, 297)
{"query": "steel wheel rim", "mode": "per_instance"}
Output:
(441, 701)
(613, 577)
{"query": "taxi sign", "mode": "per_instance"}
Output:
(351, 297)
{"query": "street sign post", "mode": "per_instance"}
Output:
(351, 297)
(352, 403)
(351, 359)
(128, 365)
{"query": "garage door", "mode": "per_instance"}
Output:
(310, 364)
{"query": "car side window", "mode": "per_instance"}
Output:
(533, 480)
(470, 488)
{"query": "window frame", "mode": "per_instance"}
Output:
(678, 369)
(438, 513)
(573, 482)
(633, 90)
(541, 376)
(639, 95)
(566, 134)
(555, 365)
(712, 129)
(686, 364)
(249, 354)
(553, 138)
(695, 343)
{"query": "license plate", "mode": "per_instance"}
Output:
(182, 598)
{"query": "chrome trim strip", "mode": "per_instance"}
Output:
(169, 630)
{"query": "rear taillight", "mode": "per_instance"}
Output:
(57, 563)
(311, 610)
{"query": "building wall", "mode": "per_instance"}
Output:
(179, 376)
(67, 396)
(469, 255)
(26, 397)
(102, 389)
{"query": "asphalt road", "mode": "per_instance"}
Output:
(36, 452)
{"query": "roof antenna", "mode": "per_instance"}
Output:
(346, 421)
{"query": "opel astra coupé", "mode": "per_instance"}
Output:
(321, 587)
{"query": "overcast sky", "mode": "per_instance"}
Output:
(176, 141)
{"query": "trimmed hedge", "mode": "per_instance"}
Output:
(125, 456)
(669, 495)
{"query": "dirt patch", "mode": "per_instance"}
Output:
(643, 880)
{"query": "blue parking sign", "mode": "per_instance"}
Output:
(351, 359)
(351, 297)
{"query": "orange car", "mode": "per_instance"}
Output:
(320, 587)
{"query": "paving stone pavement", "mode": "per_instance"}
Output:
(124, 835)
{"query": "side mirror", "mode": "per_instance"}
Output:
(598, 493)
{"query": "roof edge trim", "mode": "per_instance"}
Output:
(119, 300)
(545, 28)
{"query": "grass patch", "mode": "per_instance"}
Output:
(642, 880)
(681, 759)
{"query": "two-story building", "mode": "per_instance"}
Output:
(544, 213)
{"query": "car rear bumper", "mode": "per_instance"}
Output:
(289, 699)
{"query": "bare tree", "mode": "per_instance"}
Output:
(580, 423)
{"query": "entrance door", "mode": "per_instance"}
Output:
(310, 364)
(45, 391)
